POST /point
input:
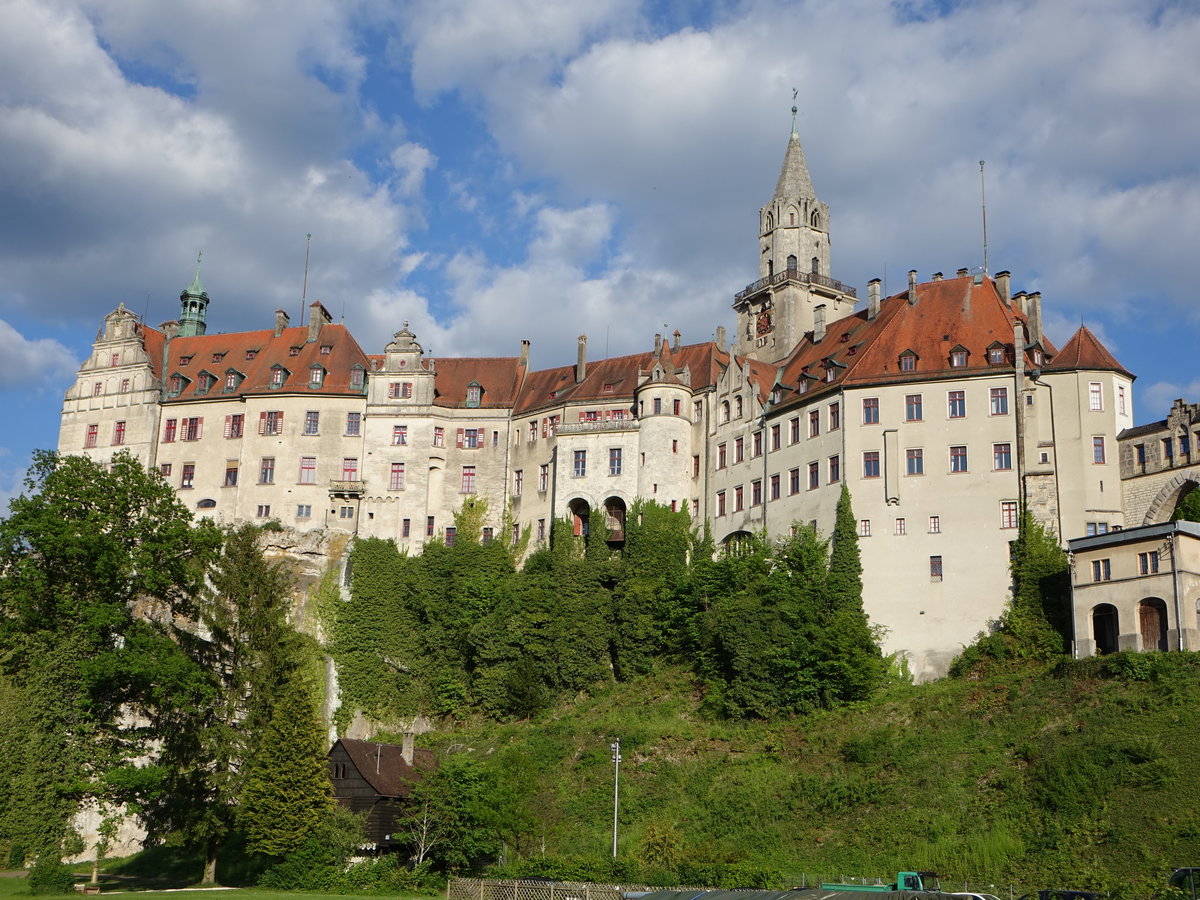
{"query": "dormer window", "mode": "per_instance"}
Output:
(908, 361)
(316, 376)
(958, 358)
(357, 377)
(184, 360)
(1039, 358)
(802, 387)
(474, 395)
(232, 379)
(776, 395)
(830, 373)
(293, 351)
(217, 357)
(607, 389)
(278, 375)
(326, 349)
(995, 356)
(176, 384)
(250, 354)
(207, 380)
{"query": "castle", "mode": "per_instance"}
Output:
(942, 408)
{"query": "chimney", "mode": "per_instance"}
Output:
(819, 324)
(170, 329)
(318, 316)
(721, 338)
(581, 360)
(964, 272)
(677, 337)
(525, 354)
(1034, 313)
(282, 319)
(912, 287)
(872, 299)
(406, 748)
(1004, 286)
(937, 276)
(1019, 301)
(657, 344)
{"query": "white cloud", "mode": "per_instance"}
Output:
(1156, 399)
(32, 363)
(411, 162)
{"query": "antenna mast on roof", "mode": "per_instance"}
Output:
(795, 93)
(983, 201)
(304, 289)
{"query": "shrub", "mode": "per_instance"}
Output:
(50, 876)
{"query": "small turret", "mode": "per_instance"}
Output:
(193, 306)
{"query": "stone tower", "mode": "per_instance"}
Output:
(193, 306)
(794, 293)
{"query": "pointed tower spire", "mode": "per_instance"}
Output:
(193, 305)
(794, 181)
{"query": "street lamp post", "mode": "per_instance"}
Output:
(616, 756)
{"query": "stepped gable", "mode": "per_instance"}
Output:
(763, 375)
(1084, 351)
(384, 768)
(254, 355)
(550, 388)
(500, 377)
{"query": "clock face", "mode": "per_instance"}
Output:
(764, 322)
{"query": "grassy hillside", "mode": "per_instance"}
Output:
(1082, 775)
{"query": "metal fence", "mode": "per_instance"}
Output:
(497, 889)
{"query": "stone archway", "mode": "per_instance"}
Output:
(614, 518)
(1162, 507)
(1105, 628)
(581, 512)
(1152, 623)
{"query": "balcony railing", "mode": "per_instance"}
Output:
(342, 486)
(599, 426)
(794, 275)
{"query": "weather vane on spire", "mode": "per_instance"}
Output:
(795, 93)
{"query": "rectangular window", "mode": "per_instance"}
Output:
(871, 464)
(720, 503)
(1096, 396)
(1168, 448)
(1121, 399)
(614, 461)
(864, 527)
(721, 453)
(755, 493)
(231, 473)
(489, 535)
(935, 524)
(266, 470)
(429, 526)
(1098, 450)
(264, 510)
(1148, 563)
(756, 444)
(353, 424)
(794, 481)
(312, 422)
(468, 479)
(793, 430)
(124, 385)
(97, 389)
(908, 363)
(406, 528)
(439, 436)
(814, 475)
(396, 478)
(1184, 446)
(739, 502)
(697, 410)
(958, 459)
(308, 470)
(999, 401)
(696, 466)
(543, 478)
(956, 403)
(269, 422)
(303, 510)
(658, 406)
(277, 376)
(774, 495)
(1008, 514)
(349, 469)
(346, 512)
(518, 481)
(935, 568)
(814, 423)
(234, 424)
(914, 462)
(912, 408)
(1140, 454)
(188, 475)
(775, 437)
(579, 463)
(835, 416)
(739, 449)
(1095, 528)
(901, 528)
(541, 530)
(168, 431)
(93, 433)
(1101, 570)
(191, 428)
(1001, 457)
(399, 435)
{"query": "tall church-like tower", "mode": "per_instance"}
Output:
(794, 293)
(193, 307)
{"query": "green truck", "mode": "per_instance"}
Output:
(905, 881)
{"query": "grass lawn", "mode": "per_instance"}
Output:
(16, 887)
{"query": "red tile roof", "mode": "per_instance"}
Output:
(1084, 351)
(500, 378)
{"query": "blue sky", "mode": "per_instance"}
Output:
(491, 171)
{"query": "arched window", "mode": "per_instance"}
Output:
(1105, 628)
(724, 410)
(792, 263)
(816, 219)
(770, 221)
(816, 266)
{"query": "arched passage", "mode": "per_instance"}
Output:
(1105, 628)
(1162, 508)
(580, 511)
(1152, 623)
(614, 518)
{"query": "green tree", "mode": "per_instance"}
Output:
(287, 792)
(1036, 619)
(93, 558)
(844, 585)
(242, 658)
(1188, 507)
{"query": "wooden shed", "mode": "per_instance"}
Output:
(376, 779)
